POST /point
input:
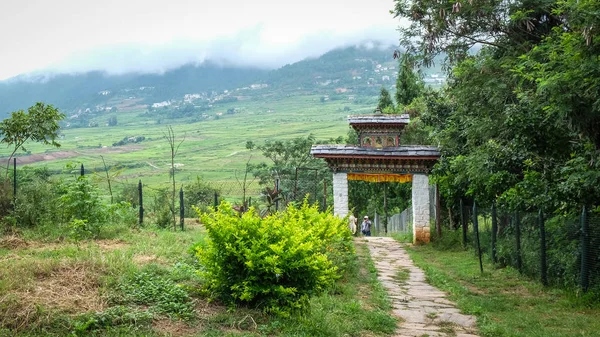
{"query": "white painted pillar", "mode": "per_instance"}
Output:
(340, 194)
(420, 205)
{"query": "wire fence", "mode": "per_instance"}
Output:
(402, 222)
(151, 198)
(562, 250)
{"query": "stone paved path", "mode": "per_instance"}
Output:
(424, 309)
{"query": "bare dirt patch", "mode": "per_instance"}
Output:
(69, 288)
(145, 259)
(109, 245)
(204, 309)
(192, 222)
(115, 149)
(12, 242)
(50, 156)
(104, 245)
(167, 327)
(34, 158)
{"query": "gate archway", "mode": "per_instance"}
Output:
(380, 158)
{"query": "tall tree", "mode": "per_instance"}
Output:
(385, 100)
(292, 163)
(38, 124)
(408, 84)
(174, 147)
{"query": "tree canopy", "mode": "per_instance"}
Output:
(385, 100)
(38, 124)
(519, 121)
(408, 84)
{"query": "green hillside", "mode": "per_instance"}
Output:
(217, 109)
(349, 67)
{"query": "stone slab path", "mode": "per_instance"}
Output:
(424, 309)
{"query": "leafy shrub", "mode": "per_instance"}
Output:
(160, 292)
(5, 197)
(161, 209)
(83, 229)
(129, 193)
(122, 213)
(36, 203)
(164, 218)
(200, 194)
(80, 200)
(276, 262)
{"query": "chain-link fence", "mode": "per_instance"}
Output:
(561, 250)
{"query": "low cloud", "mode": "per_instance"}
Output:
(248, 48)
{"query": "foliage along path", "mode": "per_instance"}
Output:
(424, 309)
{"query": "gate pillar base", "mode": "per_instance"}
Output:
(420, 205)
(340, 194)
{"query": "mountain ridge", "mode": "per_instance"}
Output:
(352, 69)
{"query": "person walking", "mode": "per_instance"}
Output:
(352, 221)
(365, 227)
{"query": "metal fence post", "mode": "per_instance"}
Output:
(216, 200)
(277, 198)
(14, 183)
(324, 195)
(296, 185)
(463, 223)
(585, 247)
(518, 241)
(543, 265)
(494, 232)
(476, 228)
(438, 213)
(181, 208)
(82, 171)
(141, 215)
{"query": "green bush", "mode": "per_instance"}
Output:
(123, 214)
(80, 199)
(163, 218)
(129, 193)
(275, 263)
(200, 194)
(5, 197)
(35, 204)
(83, 229)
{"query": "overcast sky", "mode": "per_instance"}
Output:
(153, 36)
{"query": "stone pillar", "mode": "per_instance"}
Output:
(420, 205)
(340, 194)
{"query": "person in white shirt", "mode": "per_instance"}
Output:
(352, 221)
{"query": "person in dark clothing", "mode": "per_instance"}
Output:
(365, 227)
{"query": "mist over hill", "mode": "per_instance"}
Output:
(354, 71)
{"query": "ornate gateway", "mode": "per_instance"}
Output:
(380, 158)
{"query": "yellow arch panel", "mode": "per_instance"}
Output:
(381, 177)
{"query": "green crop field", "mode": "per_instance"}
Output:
(214, 148)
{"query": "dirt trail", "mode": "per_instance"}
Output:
(424, 309)
(55, 155)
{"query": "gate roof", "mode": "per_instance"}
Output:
(401, 159)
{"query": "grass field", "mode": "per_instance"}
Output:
(142, 283)
(506, 303)
(214, 149)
